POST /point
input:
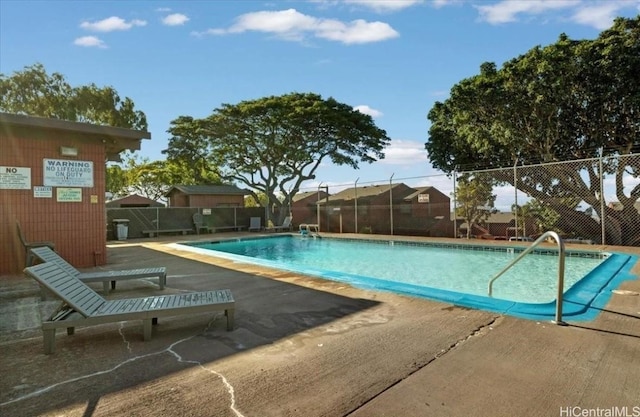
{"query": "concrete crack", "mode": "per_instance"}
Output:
(478, 330)
(475, 332)
(169, 349)
(224, 380)
(80, 378)
(124, 338)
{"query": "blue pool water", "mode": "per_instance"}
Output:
(453, 273)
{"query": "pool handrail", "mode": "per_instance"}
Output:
(542, 238)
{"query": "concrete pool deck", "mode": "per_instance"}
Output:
(308, 347)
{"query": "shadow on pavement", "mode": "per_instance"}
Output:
(100, 360)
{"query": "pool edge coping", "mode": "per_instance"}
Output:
(581, 302)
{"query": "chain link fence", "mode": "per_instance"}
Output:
(141, 219)
(590, 201)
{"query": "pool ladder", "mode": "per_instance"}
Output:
(312, 230)
(542, 238)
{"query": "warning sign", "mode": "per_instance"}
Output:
(15, 178)
(68, 173)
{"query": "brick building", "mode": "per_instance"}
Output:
(363, 209)
(304, 207)
(426, 212)
(210, 196)
(133, 200)
(52, 181)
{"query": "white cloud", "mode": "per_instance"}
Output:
(175, 19)
(385, 5)
(295, 26)
(443, 183)
(507, 11)
(628, 183)
(90, 42)
(405, 152)
(209, 32)
(600, 16)
(279, 22)
(111, 23)
(441, 3)
(364, 109)
(324, 4)
(357, 31)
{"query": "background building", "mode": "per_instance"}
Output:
(206, 196)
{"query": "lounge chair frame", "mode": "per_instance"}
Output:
(31, 245)
(84, 307)
(45, 254)
(286, 225)
(255, 224)
(199, 224)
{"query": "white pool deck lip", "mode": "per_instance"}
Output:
(304, 346)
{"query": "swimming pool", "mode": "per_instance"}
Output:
(447, 272)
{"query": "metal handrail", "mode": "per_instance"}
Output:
(541, 239)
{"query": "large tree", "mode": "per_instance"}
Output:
(152, 179)
(474, 200)
(189, 148)
(570, 100)
(545, 218)
(273, 144)
(34, 92)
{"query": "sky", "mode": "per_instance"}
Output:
(391, 59)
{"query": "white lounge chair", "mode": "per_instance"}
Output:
(286, 225)
(255, 224)
(198, 222)
(84, 307)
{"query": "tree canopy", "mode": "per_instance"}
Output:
(190, 149)
(34, 92)
(273, 144)
(474, 200)
(152, 179)
(570, 100)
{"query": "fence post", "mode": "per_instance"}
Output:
(455, 217)
(515, 186)
(355, 192)
(602, 208)
(318, 207)
(326, 191)
(391, 203)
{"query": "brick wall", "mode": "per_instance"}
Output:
(77, 228)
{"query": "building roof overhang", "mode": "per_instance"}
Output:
(115, 139)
